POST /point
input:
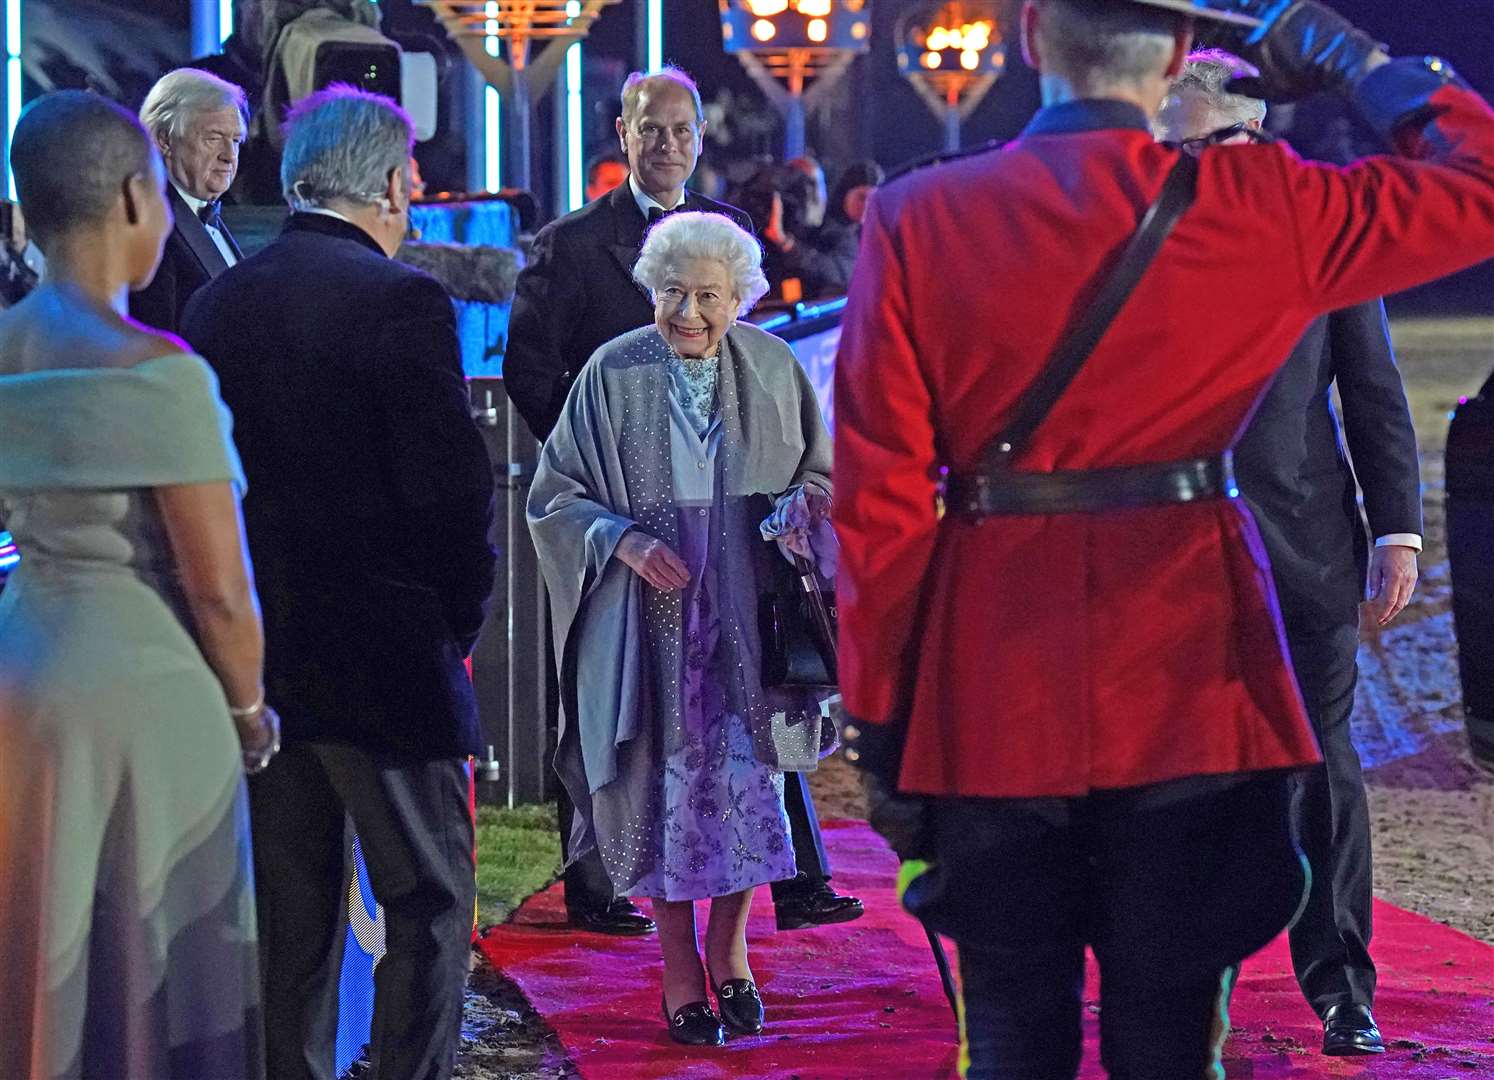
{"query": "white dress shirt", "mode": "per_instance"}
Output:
(647, 202)
(219, 241)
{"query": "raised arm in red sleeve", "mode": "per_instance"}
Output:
(1387, 223)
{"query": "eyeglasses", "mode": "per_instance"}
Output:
(672, 296)
(1194, 147)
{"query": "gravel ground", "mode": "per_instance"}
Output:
(1433, 809)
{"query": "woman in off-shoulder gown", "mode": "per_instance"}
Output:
(130, 652)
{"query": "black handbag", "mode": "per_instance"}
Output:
(796, 621)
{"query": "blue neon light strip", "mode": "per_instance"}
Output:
(225, 20)
(9, 555)
(814, 311)
(803, 313)
(492, 127)
(492, 139)
(655, 34)
(575, 142)
(12, 82)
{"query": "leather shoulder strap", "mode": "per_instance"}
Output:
(1071, 353)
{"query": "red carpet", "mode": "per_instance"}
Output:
(862, 1000)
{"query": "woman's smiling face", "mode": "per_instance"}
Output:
(695, 306)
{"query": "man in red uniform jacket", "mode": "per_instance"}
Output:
(1098, 702)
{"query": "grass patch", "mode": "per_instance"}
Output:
(518, 854)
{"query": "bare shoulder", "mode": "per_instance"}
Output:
(139, 344)
(51, 329)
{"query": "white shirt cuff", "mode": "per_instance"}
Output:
(1410, 540)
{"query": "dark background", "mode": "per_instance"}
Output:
(878, 113)
(871, 112)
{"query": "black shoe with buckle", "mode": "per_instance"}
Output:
(1349, 1030)
(694, 1024)
(741, 1006)
(620, 917)
(814, 903)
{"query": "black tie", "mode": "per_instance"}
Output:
(209, 215)
(657, 214)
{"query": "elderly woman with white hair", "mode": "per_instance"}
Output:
(647, 509)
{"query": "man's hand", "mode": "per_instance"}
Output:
(651, 559)
(1303, 47)
(1392, 579)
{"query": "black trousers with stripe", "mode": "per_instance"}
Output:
(1169, 886)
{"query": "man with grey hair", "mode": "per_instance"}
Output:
(343, 371)
(576, 294)
(1201, 104)
(1296, 478)
(198, 123)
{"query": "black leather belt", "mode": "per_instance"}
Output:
(1086, 491)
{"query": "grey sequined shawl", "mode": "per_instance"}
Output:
(605, 468)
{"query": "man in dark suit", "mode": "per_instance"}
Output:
(368, 517)
(1293, 472)
(576, 294)
(197, 121)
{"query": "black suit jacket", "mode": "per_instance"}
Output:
(1292, 469)
(370, 493)
(576, 294)
(189, 261)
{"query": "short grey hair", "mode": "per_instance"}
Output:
(639, 81)
(341, 144)
(1095, 44)
(180, 95)
(681, 237)
(1208, 73)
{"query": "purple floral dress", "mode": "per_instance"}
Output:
(723, 827)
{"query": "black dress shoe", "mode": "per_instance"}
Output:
(814, 903)
(741, 1006)
(1349, 1030)
(618, 917)
(694, 1024)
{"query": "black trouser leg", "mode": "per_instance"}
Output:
(587, 886)
(1160, 1025)
(1170, 885)
(1184, 890)
(1330, 941)
(415, 830)
(1022, 1012)
(301, 874)
(804, 831)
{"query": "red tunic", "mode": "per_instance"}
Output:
(1056, 655)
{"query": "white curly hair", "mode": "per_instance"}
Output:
(691, 234)
(1208, 72)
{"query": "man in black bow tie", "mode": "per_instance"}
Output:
(198, 123)
(577, 293)
(578, 290)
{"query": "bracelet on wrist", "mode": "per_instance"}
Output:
(252, 710)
